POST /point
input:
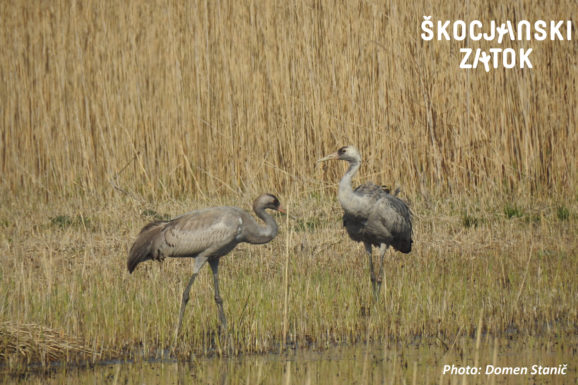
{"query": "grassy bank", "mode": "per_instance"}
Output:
(67, 295)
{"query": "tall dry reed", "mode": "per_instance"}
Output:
(225, 97)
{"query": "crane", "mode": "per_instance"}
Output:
(205, 235)
(371, 214)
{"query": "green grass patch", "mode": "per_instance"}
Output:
(562, 213)
(64, 221)
(512, 211)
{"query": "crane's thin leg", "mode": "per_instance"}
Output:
(199, 262)
(382, 249)
(371, 271)
(214, 263)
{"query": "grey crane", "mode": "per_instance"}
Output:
(205, 235)
(371, 214)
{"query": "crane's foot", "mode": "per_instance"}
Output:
(222, 339)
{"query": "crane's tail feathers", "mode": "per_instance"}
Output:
(144, 248)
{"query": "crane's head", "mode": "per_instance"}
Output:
(268, 201)
(347, 153)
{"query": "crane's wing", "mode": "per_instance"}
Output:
(384, 219)
(192, 233)
(370, 189)
(187, 235)
(394, 217)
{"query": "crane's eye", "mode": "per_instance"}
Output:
(276, 202)
(342, 150)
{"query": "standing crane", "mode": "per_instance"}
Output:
(371, 214)
(204, 235)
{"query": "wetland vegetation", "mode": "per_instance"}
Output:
(114, 114)
(67, 294)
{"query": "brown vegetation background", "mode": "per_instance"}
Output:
(114, 114)
(228, 97)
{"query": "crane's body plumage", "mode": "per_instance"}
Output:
(387, 221)
(218, 228)
(371, 214)
(204, 235)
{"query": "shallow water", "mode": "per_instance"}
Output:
(422, 363)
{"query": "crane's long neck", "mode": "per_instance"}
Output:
(349, 201)
(262, 234)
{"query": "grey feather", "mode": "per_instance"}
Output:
(371, 189)
(146, 245)
(370, 213)
(219, 228)
(205, 235)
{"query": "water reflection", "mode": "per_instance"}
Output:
(422, 363)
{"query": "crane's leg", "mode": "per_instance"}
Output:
(371, 271)
(214, 263)
(382, 249)
(199, 262)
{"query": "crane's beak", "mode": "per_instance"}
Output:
(328, 157)
(282, 211)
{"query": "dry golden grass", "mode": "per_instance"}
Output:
(26, 344)
(111, 109)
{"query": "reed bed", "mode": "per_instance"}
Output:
(224, 96)
(114, 114)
